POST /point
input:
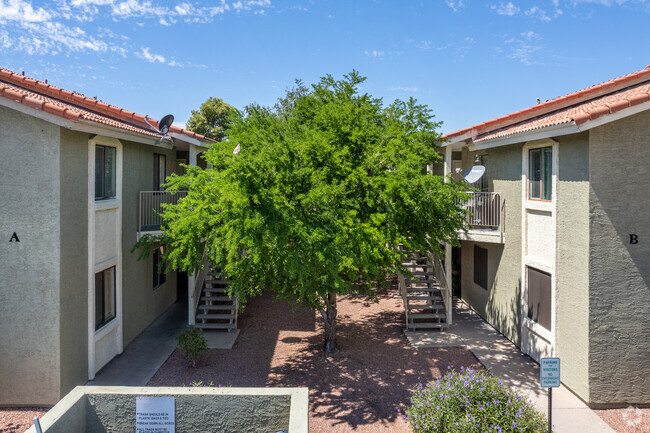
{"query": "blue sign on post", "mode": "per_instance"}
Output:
(549, 372)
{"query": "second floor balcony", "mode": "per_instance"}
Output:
(485, 219)
(151, 208)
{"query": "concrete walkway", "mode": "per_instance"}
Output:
(497, 353)
(144, 355)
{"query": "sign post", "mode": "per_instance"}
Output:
(549, 377)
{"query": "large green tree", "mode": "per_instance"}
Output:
(212, 119)
(326, 186)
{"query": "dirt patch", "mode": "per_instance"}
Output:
(360, 388)
(628, 420)
(19, 419)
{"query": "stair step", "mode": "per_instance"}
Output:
(226, 282)
(215, 316)
(426, 307)
(215, 289)
(424, 298)
(417, 265)
(427, 325)
(216, 298)
(416, 281)
(427, 316)
(423, 273)
(413, 258)
(422, 289)
(215, 325)
(418, 292)
(216, 307)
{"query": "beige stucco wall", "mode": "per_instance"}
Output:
(29, 269)
(499, 305)
(74, 260)
(141, 303)
(619, 302)
(572, 263)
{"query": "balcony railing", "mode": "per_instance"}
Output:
(485, 208)
(151, 208)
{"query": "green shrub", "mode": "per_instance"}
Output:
(193, 344)
(471, 401)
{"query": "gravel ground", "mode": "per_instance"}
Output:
(19, 419)
(628, 420)
(359, 388)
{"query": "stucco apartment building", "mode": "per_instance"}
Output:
(79, 182)
(558, 256)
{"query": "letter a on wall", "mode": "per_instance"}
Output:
(14, 237)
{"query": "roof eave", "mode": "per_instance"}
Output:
(560, 129)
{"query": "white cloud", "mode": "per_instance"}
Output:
(508, 9)
(455, 5)
(538, 13)
(148, 56)
(5, 42)
(21, 11)
(183, 9)
(531, 36)
(61, 26)
(523, 49)
(374, 53)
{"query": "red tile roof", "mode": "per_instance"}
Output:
(75, 106)
(577, 107)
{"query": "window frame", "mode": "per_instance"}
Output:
(102, 298)
(102, 184)
(158, 181)
(546, 161)
(542, 295)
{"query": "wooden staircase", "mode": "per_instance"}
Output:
(423, 303)
(216, 310)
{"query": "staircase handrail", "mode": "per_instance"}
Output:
(442, 279)
(200, 279)
(404, 294)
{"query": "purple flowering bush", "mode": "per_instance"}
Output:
(471, 401)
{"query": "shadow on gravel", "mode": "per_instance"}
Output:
(359, 388)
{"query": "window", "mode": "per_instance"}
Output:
(539, 297)
(158, 171)
(540, 174)
(105, 160)
(105, 309)
(159, 276)
(480, 266)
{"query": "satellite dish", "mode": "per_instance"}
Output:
(163, 126)
(474, 174)
(165, 123)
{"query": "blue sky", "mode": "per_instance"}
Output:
(469, 61)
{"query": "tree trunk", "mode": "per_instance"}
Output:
(329, 317)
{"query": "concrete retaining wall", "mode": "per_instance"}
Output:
(228, 410)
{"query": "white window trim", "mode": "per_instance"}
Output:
(545, 206)
(95, 206)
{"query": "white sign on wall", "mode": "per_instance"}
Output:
(155, 415)
(549, 372)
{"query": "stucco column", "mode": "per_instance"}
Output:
(193, 154)
(448, 246)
